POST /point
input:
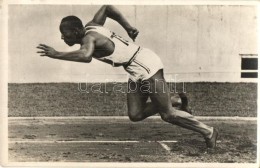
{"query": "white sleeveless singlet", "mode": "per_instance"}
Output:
(140, 63)
(124, 51)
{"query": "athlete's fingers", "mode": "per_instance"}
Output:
(44, 45)
(41, 45)
(43, 55)
(42, 48)
(41, 52)
(135, 34)
(133, 38)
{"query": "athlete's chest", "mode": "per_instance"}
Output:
(103, 46)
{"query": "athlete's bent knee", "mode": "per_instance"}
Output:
(136, 117)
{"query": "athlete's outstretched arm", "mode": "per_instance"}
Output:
(113, 13)
(84, 54)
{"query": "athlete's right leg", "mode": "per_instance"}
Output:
(138, 107)
(160, 96)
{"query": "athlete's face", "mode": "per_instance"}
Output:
(68, 34)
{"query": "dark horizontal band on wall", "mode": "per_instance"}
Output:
(248, 55)
(249, 75)
(249, 64)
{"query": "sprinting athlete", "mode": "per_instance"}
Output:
(143, 65)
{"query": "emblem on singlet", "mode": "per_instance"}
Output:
(120, 38)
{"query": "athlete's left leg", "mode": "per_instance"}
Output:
(160, 97)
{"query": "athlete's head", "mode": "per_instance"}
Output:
(71, 29)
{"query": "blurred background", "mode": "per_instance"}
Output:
(211, 48)
(199, 43)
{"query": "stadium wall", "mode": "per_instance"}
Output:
(196, 43)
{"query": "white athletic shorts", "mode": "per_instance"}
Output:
(145, 64)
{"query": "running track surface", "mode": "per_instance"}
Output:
(108, 139)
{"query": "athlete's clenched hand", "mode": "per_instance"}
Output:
(46, 50)
(132, 33)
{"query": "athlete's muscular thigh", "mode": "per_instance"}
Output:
(136, 99)
(160, 94)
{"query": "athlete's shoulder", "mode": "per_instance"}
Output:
(97, 31)
(88, 39)
(94, 33)
(91, 23)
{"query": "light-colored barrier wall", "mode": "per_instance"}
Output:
(198, 43)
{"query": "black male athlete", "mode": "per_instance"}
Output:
(143, 65)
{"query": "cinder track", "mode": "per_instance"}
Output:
(119, 140)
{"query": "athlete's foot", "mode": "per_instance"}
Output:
(185, 103)
(186, 109)
(212, 141)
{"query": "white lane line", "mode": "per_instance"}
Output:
(169, 141)
(71, 141)
(166, 147)
(233, 118)
(32, 141)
